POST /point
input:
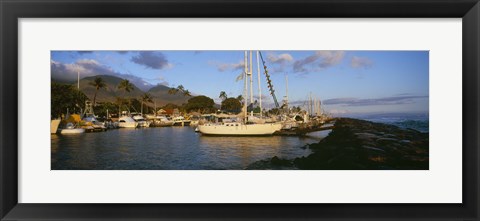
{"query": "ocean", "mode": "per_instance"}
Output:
(416, 121)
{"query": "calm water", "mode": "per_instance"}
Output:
(416, 121)
(170, 148)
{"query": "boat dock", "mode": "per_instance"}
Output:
(302, 131)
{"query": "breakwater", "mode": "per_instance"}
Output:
(360, 145)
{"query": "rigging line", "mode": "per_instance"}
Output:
(269, 82)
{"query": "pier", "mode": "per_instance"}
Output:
(302, 131)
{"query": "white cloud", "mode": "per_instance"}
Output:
(67, 72)
(361, 62)
(279, 59)
(222, 67)
(319, 60)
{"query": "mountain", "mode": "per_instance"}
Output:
(161, 96)
(111, 92)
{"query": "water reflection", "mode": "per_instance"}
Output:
(170, 148)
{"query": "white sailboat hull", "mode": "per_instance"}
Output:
(237, 129)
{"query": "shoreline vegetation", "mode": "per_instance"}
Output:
(357, 144)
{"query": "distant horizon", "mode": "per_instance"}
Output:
(347, 82)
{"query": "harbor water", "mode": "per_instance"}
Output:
(170, 148)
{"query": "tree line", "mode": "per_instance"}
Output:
(67, 97)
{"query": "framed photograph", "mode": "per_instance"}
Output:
(318, 110)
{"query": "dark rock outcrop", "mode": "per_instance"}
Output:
(362, 145)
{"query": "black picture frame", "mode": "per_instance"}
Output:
(12, 10)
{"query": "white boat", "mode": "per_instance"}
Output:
(233, 128)
(162, 121)
(180, 121)
(290, 124)
(93, 124)
(110, 124)
(70, 129)
(127, 122)
(141, 121)
(239, 129)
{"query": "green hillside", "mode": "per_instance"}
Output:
(111, 92)
(161, 96)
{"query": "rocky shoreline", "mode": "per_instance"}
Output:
(360, 145)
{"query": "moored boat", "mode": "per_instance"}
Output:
(242, 127)
(127, 122)
(181, 121)
(239, 129)
(71, 129)
(162, 121)
(141, 121)
(92, 124)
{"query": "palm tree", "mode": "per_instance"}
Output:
(223, 95)
(186, 93)
(240, 98)
(179, 88)
(172, 91)
(146, 98)
(126, 86)
(98, 83)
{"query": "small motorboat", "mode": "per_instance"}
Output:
(92, 124)
(141, 121)
(127, 122)
(71, 129)
(162, 121)
(180, 121)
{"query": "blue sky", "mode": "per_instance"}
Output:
(345, 81)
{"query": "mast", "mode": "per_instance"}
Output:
(269, 82)
(259, 87)
(319, 110)
(310, 104)
(286, 91)
(245, 95)
(250, 72)
(320, 106)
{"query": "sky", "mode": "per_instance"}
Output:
(344, 81)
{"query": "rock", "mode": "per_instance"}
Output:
(280, 162)
(275, 163)
(386, 140)
(358, 144)
(373, 148)
(361, 145)
(366, 136)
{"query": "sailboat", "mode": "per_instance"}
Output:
(244, 128)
